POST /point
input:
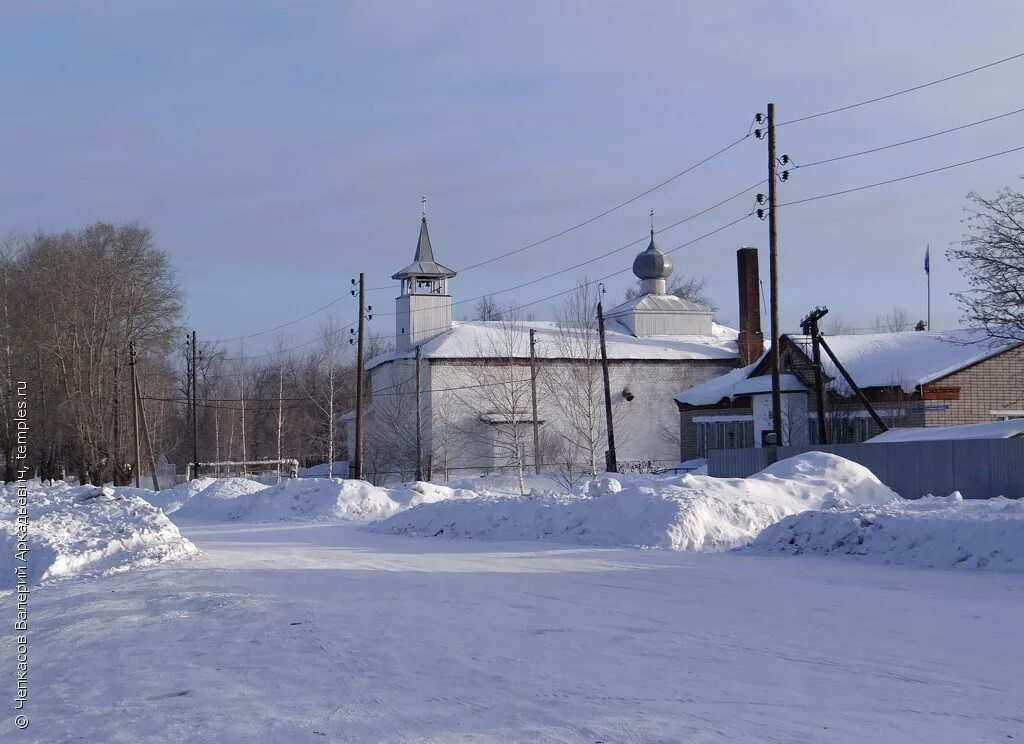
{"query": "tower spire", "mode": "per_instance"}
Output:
(423, 207)
(652, 224)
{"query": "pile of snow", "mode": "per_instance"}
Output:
(214, 498)
(235, 499)
(84, 530)
(689, 512)
(172, 499)
(938, 532)
(338, 470)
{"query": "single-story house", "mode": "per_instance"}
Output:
(912, 379)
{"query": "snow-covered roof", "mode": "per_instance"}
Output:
(907, 359)
(488, 339)
(712, 391)
(989, 430)
(737, 382)
(653, 303)
(763, 384)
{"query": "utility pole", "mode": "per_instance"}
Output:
(533, 392)
(195, 409)
(773, 269)
(419, 423)
(611, 462)
(135, 413)
(853, 386)
(145, 430)
(357, 459)
(928, 276)
(810, 327)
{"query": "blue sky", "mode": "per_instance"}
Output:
(277, 149)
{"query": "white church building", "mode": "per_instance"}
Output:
(475, 392)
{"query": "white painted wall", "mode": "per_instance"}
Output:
(795, 429)
(420, 317)
(646, 428)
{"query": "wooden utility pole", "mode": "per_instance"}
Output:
(195, 409)
(611, 461)
(811, 328)
(357, 464)
(419, 423)
(853, 385)
(773, 269)
(135, 414)
(145, 429)
(533, 392)
(280, 413)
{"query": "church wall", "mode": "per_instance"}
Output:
(647, 427)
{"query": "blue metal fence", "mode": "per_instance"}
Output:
(977, 468)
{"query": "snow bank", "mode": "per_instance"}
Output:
(689, 512)
(934, 531)
(214, 490)
(314, 498)
(83, 530)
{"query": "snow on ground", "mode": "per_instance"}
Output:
(85, 531)
(303, 498)
(321, 632)
(690, 512)
(243, 500)
(213, 490)
(940, 532)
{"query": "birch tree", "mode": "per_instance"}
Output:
(574, 384)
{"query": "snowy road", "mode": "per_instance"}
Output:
(317, 633)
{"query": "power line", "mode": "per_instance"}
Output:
(605, 254)
(308, 315)
(376, 394)
(907, 142)
(537, 279)
(901, 178)
(615, 273)
(551, 296)
(901, 92)
(521, 249)
(607, 212)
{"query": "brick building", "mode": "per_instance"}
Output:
(912, 379)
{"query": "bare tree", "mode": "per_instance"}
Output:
(574, 383)
(325, 369)
(991, 258)
(487, 308)
(837, 326)
(501, 394)
(895, 322)
(690, 288)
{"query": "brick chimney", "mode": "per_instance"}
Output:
(751, 340)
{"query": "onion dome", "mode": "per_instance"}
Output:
(652, 263)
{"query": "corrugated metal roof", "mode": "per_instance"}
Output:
(658, 304)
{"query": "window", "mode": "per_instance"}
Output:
(724, 434)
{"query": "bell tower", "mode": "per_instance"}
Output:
(424, 307)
